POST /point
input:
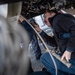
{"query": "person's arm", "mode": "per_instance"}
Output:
(68, 25)
(49, 40)
(26, 25)
(28, 28)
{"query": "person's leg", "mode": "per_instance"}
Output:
(62, 69)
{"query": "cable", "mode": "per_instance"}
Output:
(43, 44)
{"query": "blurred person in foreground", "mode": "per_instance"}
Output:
(64, 38)
(14, 45)
(33, 37)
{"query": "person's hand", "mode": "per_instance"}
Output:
(38, 29)
(66, 55)
(21, 19)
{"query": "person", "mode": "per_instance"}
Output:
(14, 45)
(33, 37)
(64, 38)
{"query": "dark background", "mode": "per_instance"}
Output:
(31, 8)
(9, 1)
